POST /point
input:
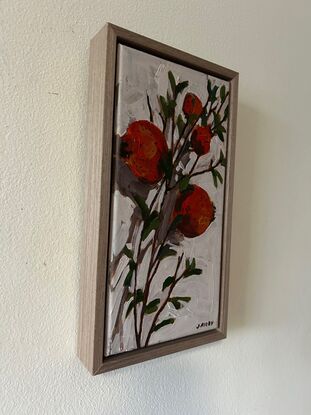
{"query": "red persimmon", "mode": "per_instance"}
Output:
(142, 148)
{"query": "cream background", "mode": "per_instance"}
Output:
(263, 368)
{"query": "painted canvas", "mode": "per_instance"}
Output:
(170, 131)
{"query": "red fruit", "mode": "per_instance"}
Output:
(192, 105)
(197, 211)
(201, 139)
(142, 148)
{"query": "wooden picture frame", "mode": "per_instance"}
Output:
(101, 104)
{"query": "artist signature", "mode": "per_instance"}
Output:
(204, 324)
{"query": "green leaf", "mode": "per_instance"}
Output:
(220, 135)
(166, 251)
(226, 113)
(223, 93)
(180, 124)
(177, 220)
(164, 107)
(128, 278)
(172, 82)
(152, 306)
(163, 323)
(166, 164)
(209, 87)
(217, 177)
(222, 159)
(129, 296)
(191, 270)
(128, 252)
(195, 271)
(150, 226)
(217, 120)
(176, 301)
(144, 210)
(184, 183)
(213, 93)
(169, 280)
(139, 296)
(181, 86)
(129, 308)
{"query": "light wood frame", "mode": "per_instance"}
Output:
(101, 98)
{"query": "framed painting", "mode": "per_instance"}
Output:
(161, 138)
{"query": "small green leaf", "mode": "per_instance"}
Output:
(184, 183)
(169, 280)
(209, 87)
(222, 159)
(181, 86)
(150, 226)
(177, 220)
(217, 120)
(128, 252)
(214, 178)
(128, 278)
(129, 308)
(172, 82)
(166, 251)
(166, 164)
(139, 296)
(195, 271)
(223, 93)
(217, 177)
(144, 210)
(152, 306)
(226, 113)
(176, 301)
(163, 323)
(220, 135)
(129, 296)
(164, 106)
(180, 124)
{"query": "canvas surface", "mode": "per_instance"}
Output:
(167, 206)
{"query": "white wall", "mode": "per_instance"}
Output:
(263, 367)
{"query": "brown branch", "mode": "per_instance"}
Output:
(166, 300)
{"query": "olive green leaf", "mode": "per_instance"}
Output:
(172, 82)
(163, 323)
(129, 276)
(166, 251)
(138, 298)
(216, 177)
(223, 93)
(184, 183)
(177, 301)
(152, 306)
(180, 125)
(169, 280)
(181, 86)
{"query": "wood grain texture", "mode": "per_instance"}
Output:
(98, 193)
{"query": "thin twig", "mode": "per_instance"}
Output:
(149, 107)
(166, 300)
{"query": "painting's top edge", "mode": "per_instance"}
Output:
(149, 45)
